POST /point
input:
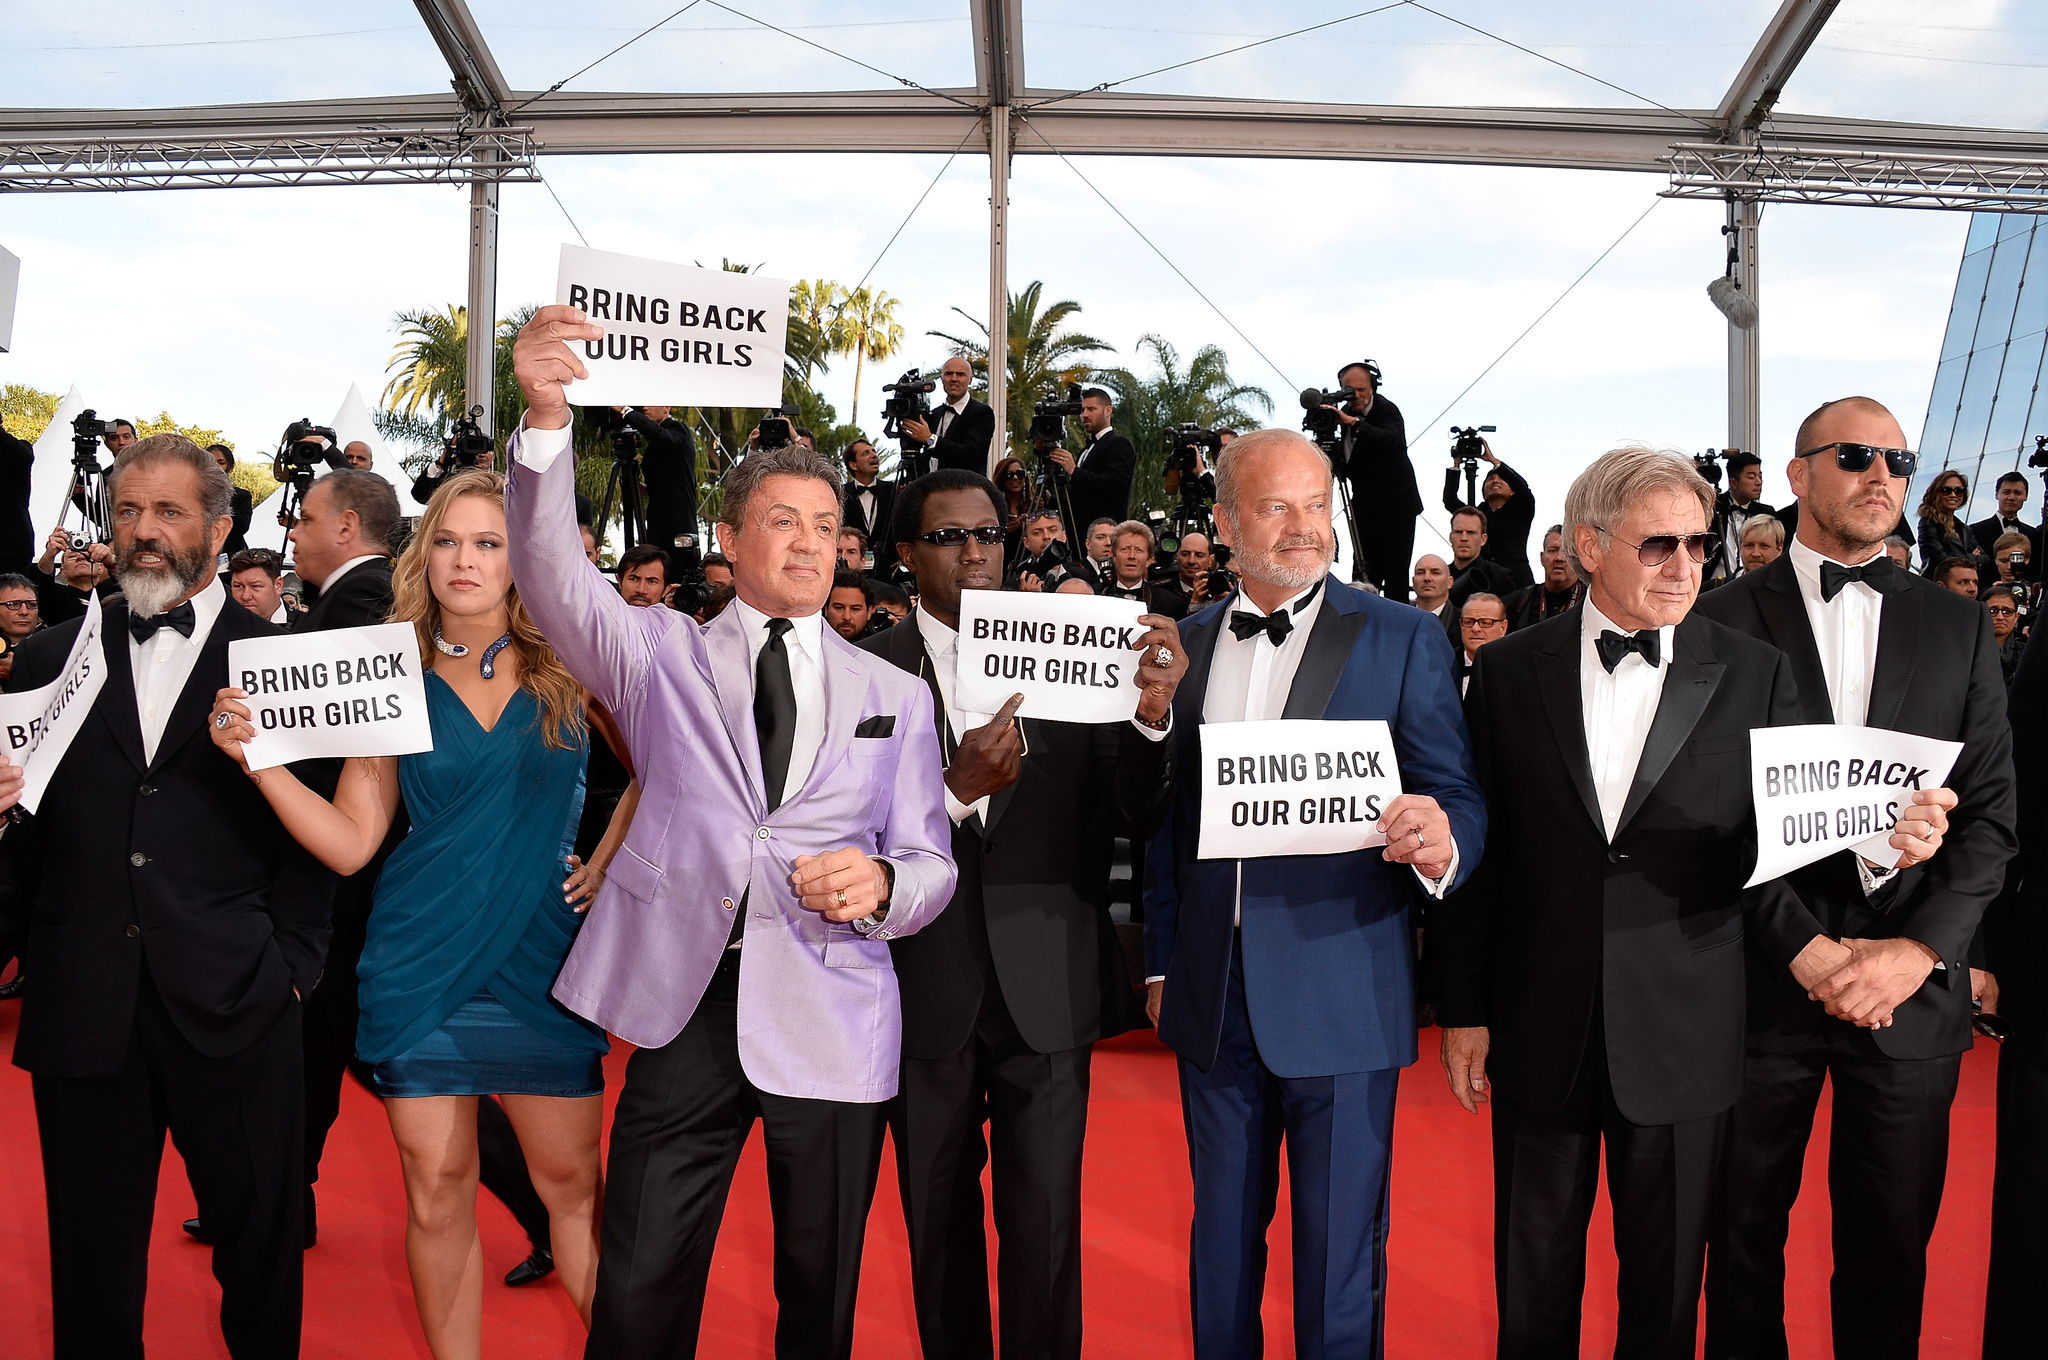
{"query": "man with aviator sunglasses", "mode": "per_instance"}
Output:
(1861, 977)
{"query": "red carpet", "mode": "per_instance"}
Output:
(359, 1302)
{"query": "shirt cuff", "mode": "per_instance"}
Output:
(1873, 876)
(1150, 980)
(538, 449)
(956, 809)
(1436, 887)
(1155, 733)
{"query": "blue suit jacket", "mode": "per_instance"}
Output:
(1328, 945)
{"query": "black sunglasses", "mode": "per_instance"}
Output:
(1014, 474)
(1656, 550)
(988, 535)
(1858, 457)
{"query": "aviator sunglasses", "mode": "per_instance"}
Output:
(1858, 457)
(1656, 550)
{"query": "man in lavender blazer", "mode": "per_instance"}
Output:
(791, 823)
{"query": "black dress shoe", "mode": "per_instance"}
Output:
(197, 1231)
(538, 1266)
(10, 990)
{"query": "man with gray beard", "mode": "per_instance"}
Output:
(175, 930)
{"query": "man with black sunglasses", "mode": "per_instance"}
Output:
(1005, 993)
(1861, 978)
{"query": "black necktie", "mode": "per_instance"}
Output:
(774, 711)
(1880, 574)
(142, 630)
(1614, 646)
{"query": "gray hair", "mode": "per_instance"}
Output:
(369, 495)
(216, 492)
(1243, 447)
(1770, 524)
(791, 460)
(1897, 541)
(1604, 494)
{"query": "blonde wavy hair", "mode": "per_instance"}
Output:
(541, 672)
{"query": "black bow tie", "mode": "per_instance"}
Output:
(142, 630)
(1614, 646)
(1245, 624)
(1880, 574)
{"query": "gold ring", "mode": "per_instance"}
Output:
(842, 897)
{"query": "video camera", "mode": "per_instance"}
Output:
(300, 451)
(1708, 465)
(466, 444)
(907, 402)
(2037, 459)
(87, 430)
(686, 561)
(776, 431)
(1319, 419)
(1049, 417)
(1185, 443)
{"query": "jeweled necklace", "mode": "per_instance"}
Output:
(483, 667)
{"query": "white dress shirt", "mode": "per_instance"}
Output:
(942, 645)
(1250, 679)
(805, 644)
(163, 664)
(1093, 440)
(866, 496)
(1844, 632)
(1618, 709)
(943, 417)
(334, 577)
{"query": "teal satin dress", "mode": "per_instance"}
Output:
(468, 928)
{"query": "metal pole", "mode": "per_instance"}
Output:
(1745, 421)
(999, 277)
(481, 371)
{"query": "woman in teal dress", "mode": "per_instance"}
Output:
(472, 917)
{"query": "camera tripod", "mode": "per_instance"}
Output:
(622, 489)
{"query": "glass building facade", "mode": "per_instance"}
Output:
(1987, 404)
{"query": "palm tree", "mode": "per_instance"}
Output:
(868, 331)
(820, 304)
(432, 359)
(1203, 394)
(1040, 354)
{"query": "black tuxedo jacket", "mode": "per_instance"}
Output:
(17, 532)
(1374, 455)
(360, 598)
(1937, 675)
(178, 860)
(2016, 926)
(1559, 926)
(851, 515)
(1101, 485)
(965, 443)
(1031, 910)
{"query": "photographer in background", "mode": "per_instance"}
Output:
(1099, 478)
(17, 529)
(1041, 546)
(643, 575)
(466, 446)
(959, 433)
(2004, 607)
(1510, 510)
(1559, 590)
(81, 567)
(117, 435)
(668, 469)
(241, 505)
(356, 454)
(866, 500)
(1372, 455)
(1130, 559)
(1470, 571)
(1733, 509)
(1196, 559)
(851, 603)
(853, 548)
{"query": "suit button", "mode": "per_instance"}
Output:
(726, 903)
(146, 790)
(1615, 857)
(138, 859)
(135, 932)
(762, 833)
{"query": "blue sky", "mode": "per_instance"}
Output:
(247, 309)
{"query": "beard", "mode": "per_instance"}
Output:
(1267, 566)
(152, 590)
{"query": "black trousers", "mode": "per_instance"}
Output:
(1887, 1159)
(237, 1123)
(2019, 1202)
(1546, 1168)
(1389, 544)
(1036, 1108)
(682, 1118)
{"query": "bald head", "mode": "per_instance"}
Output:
(1432, 581)
(1860, 414)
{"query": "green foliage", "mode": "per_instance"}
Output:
(1041, 353)
(868, 331)
(254, 477)
(1203, 394)
(26, 411)
(164, 423)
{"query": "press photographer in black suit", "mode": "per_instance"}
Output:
(1592, 969)
(1862, 979)
(866, 501)
(1510, 511)
(1099, 485)
(1373, 457)
(961, 430)
(1004, 994)
(17, 530)
(175, 929)
(668, 469)
(2013, 490)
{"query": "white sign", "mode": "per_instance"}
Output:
(41, 722)
(674, 335)
(1822, 788)
(1295, 786)
(342, 692)
(1071, 656)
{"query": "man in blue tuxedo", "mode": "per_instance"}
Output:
(1286, 984)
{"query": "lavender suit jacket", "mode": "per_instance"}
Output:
(818, 1010)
